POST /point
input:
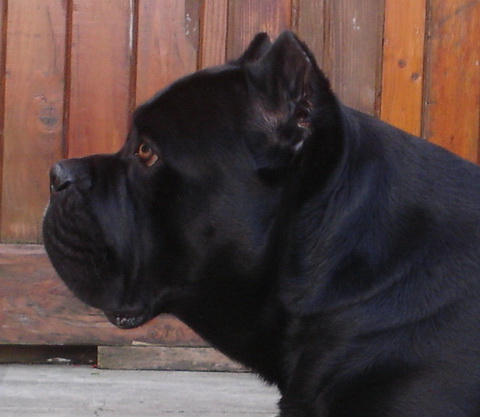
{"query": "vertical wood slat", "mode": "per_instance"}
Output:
(167, 43)
(99, 104)
(248, 17)
(453, 83)
(33, 112)
(402, 80)
(310, 25)
(354, 50)
(3, 46)
(213, 34)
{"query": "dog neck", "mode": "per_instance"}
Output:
(244, 321)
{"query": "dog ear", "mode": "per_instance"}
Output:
(286, 87)
(260, 44)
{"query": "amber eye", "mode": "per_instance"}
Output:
(146, 154)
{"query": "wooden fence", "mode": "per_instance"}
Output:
(71, 71)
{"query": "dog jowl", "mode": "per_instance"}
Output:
(334, 255)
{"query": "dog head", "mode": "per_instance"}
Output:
(193, 207)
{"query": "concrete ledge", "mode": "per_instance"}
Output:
(60, 391)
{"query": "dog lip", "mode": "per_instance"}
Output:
(126, 320)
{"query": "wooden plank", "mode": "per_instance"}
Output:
(213, 33)
(99, 104)
(37, 308)
(453, 82)
(248, 17)
(354, 50)
(48, 354)
(165, 358)
(167, 43)
(33, 124)
(310, 25)
(3, 37)
(402, 80)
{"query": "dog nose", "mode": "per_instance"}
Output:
(69, 172)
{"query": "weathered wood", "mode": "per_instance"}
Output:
(33, 124)
(213, 33)
(247, 17)
(165, 358)
(403, 56)
(353, 51)
(37, 308)
(167, 43)
(99, 104)
(453, 82)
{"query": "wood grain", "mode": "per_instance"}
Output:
(33, 124)
(248, 17)
(310, 25)
(354, 50)
(37, 308)
(213, 33)
(167, 43)
(403, 56)
(3, 40)
(99, 104)
(165, 358)
(453, 83)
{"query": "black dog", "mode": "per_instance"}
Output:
(335, 255)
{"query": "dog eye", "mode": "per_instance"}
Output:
(146, 154)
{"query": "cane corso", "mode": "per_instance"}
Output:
(333, 254)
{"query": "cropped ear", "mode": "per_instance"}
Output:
(286, 85)
(258, 47)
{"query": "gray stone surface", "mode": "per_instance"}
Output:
(70, 391)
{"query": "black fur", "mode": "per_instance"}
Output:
(335, 255)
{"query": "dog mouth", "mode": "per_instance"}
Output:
(128, 320)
